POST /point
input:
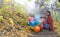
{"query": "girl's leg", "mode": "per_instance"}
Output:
(51, 27)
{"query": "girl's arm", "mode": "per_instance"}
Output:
(50, 19)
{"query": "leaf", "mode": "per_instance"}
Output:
(58, 4)
(47, 1)
(11, 21)
(30, 35)
(55, 14)
(1, 17)
(29, 0)
(39, 1)
(42, 7)
(7, 1)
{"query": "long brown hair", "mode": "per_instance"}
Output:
(49, 13)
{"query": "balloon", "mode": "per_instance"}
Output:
(41, 27)
(46, 26)
(37, 29)
(30, 19)
(32, 23)
(39, 22)
(37, 16)
(43, 20)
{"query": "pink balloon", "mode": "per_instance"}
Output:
(43, 20)
(30, 19)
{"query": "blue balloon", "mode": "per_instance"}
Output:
(37, 16)
(32, 23)
(46, 26)
(39, 22)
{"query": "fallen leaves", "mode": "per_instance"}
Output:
(57, 26)
(13, 23)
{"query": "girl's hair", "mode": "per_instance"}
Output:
(49, 13)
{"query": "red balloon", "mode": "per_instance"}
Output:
(37, 29)
(30, 19)
(43, 20)
(41, 28)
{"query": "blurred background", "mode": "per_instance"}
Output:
(20, 10)
(35, 6)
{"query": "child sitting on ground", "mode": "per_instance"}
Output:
(49, 20)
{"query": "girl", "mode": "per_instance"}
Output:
(49, 20)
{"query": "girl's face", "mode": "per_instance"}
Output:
(47, 13)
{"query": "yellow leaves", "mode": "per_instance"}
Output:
(2, 27)
(57, 26)
(30, 35)
(29, 0)
(58, 31)
(42, 7)
(22, 35)
(55, 14)
(7, 1)
(1, 10)
(23, 29)
(6, 7)
(11, 21)
(16, 5)
(31, 27)
(39, 1)
(47, 1)
(24, 32)
(21, 9)
(27, 22)
(22, 20)
(58, 4)
(1, 18)
(15, 18)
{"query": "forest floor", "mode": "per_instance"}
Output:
(45, 33)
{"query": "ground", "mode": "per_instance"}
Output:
(45, 33)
